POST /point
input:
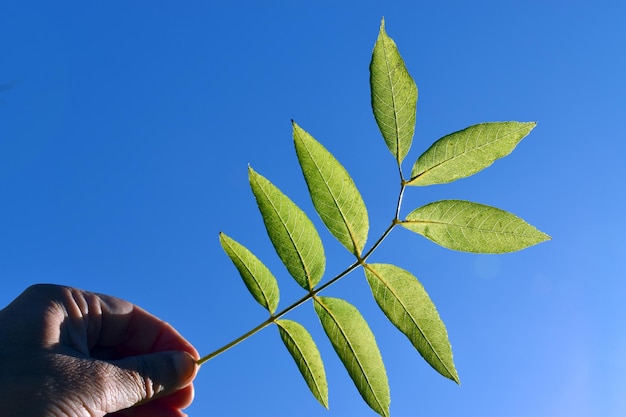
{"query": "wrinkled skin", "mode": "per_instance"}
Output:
(65, 352)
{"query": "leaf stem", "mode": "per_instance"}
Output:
(399, 204)
(241, 338)
(278, 315)
(312, 293)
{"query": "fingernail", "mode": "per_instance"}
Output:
(184, 364)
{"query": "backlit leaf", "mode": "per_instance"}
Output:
(407, 305)
(472, 227)
(356, 346)
(468, 151)
(292, 233)
(334, 194)
(259, 280)
(394, 95)
(307, 357)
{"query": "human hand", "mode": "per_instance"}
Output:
(71, 353)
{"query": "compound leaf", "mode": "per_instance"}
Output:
(257, 277)
(292, 233)
(407, 305)
(468, 151)
(334, 194)
(394, 95)
(472, 227)
(356, 346)
(302, 348)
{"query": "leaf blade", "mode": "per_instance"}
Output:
(256, 276)
(468, 151)
(393, 95)
(407, 305)
(292, 233)
(304, 352)
(333, 192)
(356, 346)
(472, 227)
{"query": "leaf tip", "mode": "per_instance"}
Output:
(454, 376)
(297, 130)
(541, 237)
(382, 33)
(253, 176)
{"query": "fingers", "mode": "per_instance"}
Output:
(167, 406)
(149, 410)
(137, 380)
(139, 332)
(180, 399)
(100, 320)
(100, 323)
(135, 336)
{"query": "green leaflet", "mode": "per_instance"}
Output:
(394, 95)
(292, 233)
(356, 346)
(302, 348)
(468, 151)
(472, 227)
(259, 280)
(407, 305)
(334, 194)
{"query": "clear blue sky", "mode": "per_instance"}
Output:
(126, 129)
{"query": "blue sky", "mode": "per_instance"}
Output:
(125, 135)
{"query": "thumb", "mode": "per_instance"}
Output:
(141, 378)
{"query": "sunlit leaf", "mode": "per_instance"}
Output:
(307, 357)
(468, 151)
(472, 227)
(334, 194)
(356, 346)
(394, 95)
(259, 280)
(407, 305)
(292, 233)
